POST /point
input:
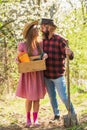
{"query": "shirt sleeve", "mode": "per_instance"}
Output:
(63, 44)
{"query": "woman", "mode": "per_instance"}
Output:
(31, 85)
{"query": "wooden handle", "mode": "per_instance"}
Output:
(34, 57)
(68, 82)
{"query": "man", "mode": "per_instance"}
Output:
(56, 48)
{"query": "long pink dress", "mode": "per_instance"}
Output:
(31, 85)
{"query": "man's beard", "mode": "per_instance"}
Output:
(46, 34)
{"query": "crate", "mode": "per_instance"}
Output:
(32, 66)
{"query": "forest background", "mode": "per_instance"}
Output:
(70, 16)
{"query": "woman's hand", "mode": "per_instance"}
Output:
(45, 56)
(17, 60)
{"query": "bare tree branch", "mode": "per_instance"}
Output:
(69, 1)
(6, 24)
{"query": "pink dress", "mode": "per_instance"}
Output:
(31, 85)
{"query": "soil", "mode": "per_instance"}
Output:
(46, 122)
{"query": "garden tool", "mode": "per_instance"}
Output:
(70, 119)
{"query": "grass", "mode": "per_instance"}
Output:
(12, 110)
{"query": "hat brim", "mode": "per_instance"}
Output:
(49, 24)
(27, 27)
(46, 21)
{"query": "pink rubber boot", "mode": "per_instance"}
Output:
(35, 118)
(28, 123)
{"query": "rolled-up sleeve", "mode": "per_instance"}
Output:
(63, 44)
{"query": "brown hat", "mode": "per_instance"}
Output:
(28, 26)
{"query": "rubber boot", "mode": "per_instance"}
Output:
(35, 118)
(28, 123)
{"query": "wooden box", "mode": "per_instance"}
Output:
(37, 65)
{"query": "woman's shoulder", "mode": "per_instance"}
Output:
(21, 45)
(61, 38)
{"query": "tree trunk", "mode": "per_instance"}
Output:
(6, 64)
(86, 5)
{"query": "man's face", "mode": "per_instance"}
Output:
(43, 28)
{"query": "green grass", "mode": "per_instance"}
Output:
(45, 101)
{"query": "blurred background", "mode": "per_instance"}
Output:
(70, 16)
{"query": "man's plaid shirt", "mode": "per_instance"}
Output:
(55, 63)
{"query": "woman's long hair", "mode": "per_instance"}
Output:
(32, 41)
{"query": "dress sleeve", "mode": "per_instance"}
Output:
(21, 47)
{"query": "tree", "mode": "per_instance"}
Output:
(13, 16)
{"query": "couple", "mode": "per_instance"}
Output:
(31, 85)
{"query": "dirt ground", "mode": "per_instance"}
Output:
(45, 123)
(11, 119)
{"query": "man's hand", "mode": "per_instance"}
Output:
(68, 51)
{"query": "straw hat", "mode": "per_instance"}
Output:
(27, 27)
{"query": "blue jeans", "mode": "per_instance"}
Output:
(60, 85)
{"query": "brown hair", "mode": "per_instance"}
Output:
(32, 40)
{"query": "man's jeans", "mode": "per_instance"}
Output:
(60, 85)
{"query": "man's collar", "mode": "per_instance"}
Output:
(52, 37)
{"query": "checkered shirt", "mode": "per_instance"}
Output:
(55, 63)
